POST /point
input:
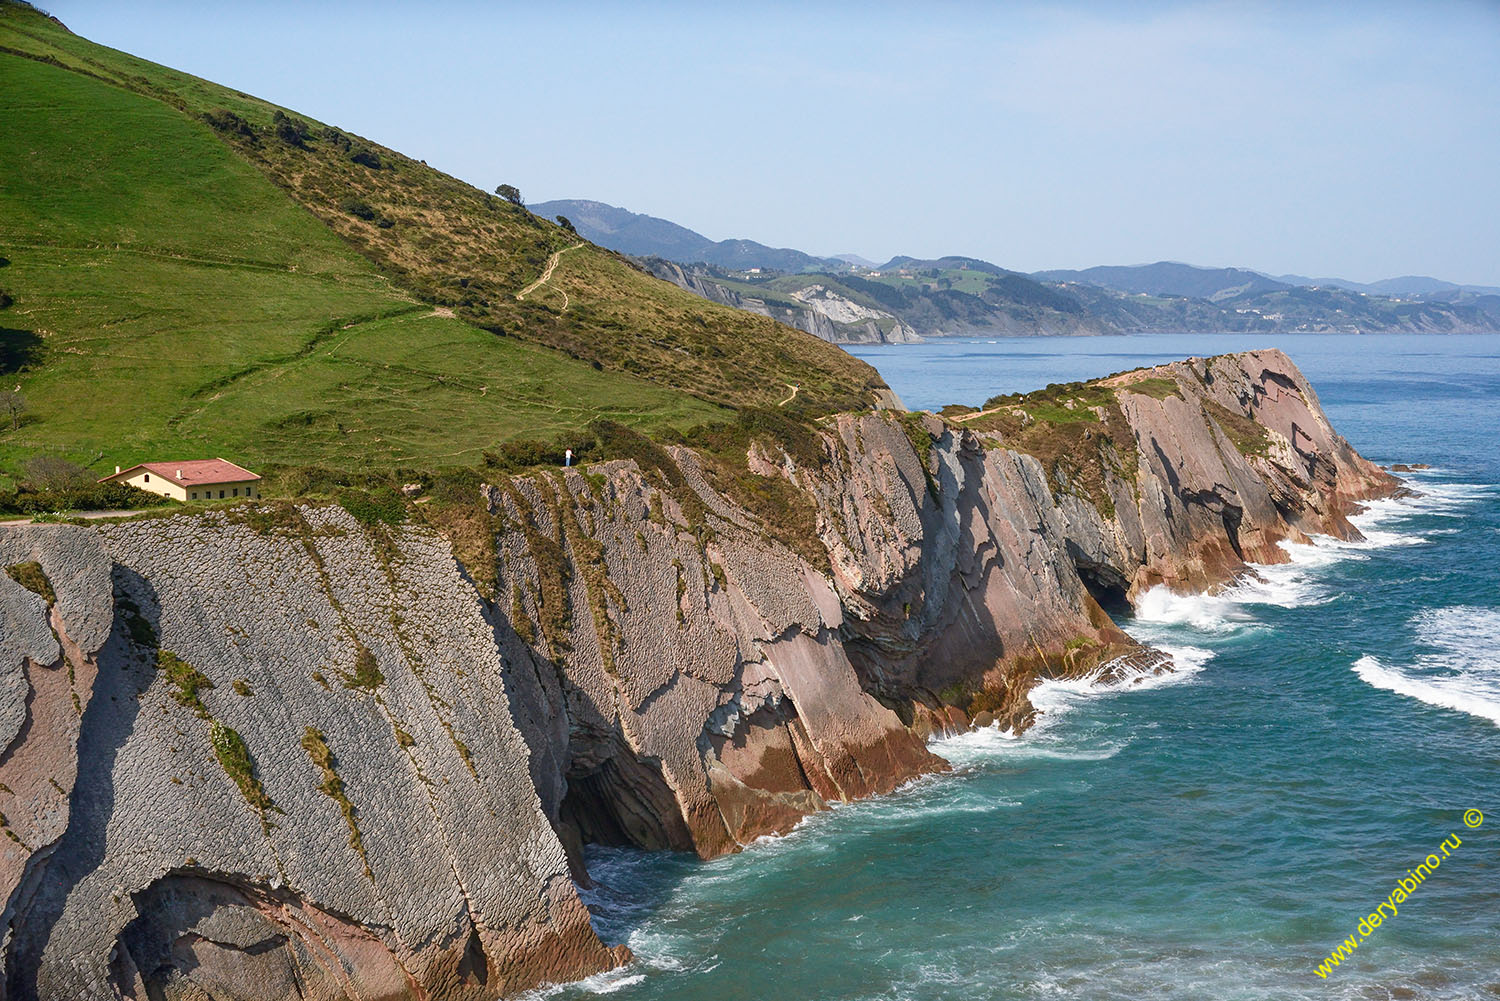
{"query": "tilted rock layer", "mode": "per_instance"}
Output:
(269, 752)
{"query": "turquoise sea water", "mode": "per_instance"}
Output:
(1211, 835)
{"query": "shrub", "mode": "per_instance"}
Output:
(366, 157)
(95, 496)
(224, 120)
(366, 672)
(49, 472)
(380, 506)
(292, 131)
(357, 207)
(513, 456)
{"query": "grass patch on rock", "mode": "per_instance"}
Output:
(30, 576)
(234, 757)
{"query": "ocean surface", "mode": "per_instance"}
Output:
(1212, 834)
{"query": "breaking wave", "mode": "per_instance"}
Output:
(1054, 699)
(1296, 583)
(1462, 671)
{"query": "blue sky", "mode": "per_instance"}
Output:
(1358, 140)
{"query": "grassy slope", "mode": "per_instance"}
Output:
(172, 301)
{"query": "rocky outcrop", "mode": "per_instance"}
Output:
(272, 752)
(1189, 471)
(267, 761)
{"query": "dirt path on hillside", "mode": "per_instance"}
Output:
(87, 515)
(547, 275)
(789, 399)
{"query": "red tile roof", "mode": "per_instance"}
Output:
(192, 472)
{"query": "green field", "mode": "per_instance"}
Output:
(171, 302)
(183, 291)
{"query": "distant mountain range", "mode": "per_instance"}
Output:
(647, 236)
(1170, 279)
(849, 299)
(1405, 285)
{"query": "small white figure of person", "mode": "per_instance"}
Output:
(567, 457)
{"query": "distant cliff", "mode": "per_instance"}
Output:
(907, 298)
(272, 752)
(815, 308)
(961, 297)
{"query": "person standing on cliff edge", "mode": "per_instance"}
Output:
(567, 457)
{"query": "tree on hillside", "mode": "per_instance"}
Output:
(510, 193)
(566, 223)
(14, 404)
(50, 472)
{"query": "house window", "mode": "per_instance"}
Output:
(148, 478)
(221, 495)
(236, 491)
(195, 495)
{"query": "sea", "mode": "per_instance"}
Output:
(1213, 834)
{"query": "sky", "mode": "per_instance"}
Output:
(1353, 140)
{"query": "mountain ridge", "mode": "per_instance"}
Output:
(650, 236)
(849, 300)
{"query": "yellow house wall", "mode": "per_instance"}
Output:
(245, 488)
(157, 485)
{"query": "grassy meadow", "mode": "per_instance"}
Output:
(172, 302)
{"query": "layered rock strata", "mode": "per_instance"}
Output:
(271, 752)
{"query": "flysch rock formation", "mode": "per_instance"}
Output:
(269, 752)
(824, 313)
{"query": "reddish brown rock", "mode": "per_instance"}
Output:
(659, 667)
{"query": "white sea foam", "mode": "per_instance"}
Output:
(1463, 670)
(600, 983)
(1054, 699)
(1161, 612)
(1209, 613)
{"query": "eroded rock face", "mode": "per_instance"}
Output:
(1240, 460)
(269, 752)
(414, 860)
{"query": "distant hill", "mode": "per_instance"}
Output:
(907, 298)
(647, 236)
(1414, 285)
(1171, 278)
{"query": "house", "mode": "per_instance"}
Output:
(194, 479)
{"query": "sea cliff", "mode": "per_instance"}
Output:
(275, 752)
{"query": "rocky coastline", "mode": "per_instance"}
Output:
(273, 752)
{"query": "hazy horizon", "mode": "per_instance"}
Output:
(1284, 138)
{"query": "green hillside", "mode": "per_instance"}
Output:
(276, 291)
